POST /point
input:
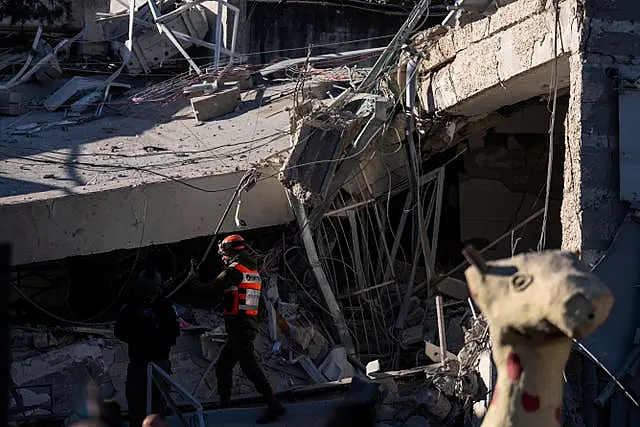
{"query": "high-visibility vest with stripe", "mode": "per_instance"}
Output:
(244, 298)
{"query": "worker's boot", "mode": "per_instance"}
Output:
(273, 411)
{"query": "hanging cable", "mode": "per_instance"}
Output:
(552, 124)
(247, 181)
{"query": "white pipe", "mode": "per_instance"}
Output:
(149, 383)
(216, 59)
(43, 61)
(34, 46)
(183, 392)
(410, 90)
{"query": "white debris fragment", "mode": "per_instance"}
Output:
(336, 366)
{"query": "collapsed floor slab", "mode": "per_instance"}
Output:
(496, 61)
(143, 176)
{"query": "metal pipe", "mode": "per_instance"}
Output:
(412, 171)
(178, 46)
(43, 61)
(370, 288)
(167, 397)
(149, 382)
(236, 22)
(194, 402)
(178, 11)
(155, 12)
(19, 74)
(325, 289)
(486, 248)
(216, 58)
(441, 331)
(350, 207)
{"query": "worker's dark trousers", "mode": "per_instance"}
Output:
(239, 349)
(136, 392)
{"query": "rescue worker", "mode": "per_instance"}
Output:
(240, 287)
(149, 325)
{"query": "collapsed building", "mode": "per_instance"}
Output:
(505, 127)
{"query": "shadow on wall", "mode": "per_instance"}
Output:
(285, 30)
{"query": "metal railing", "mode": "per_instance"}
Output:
(157, 376)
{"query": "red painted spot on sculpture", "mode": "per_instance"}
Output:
(559, 415)
(530, 402)
(514, 367)
(473, 293)
(494, 398)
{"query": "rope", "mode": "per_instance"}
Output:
(552, 124)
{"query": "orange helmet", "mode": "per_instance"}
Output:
(233, 243)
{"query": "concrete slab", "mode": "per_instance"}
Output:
(496, 61)
(145, 175)
(217, 104)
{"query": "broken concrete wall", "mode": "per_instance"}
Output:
(496, 61)
(591, 211)
(318, 141)
(504, 176)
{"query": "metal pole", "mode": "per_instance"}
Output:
(441, 330)
(216, 60)
(325, 289)
(167, 397)
(489, 246)
(149, 383)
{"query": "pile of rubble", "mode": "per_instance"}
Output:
(444, 394)
(49, 363)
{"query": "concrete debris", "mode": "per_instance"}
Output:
(311, 370)
(336, 366)
(372, 367)
(215, 105)
(317, 141)
(49, 72)
(200, 89)
(43, 340)
(152, 49)
(74, 87)
(272, 319)
(11, 103)
(413, 335)
(362, 391)
(27, 129)
(54, 361)
(92, 98)
(434, 401)
(211, 343)
(432, 351)
(30, 403)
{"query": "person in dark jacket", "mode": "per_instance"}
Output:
(149, 325)
(240, 286)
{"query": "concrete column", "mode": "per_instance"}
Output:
(591, 211)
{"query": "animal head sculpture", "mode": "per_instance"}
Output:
(534, 303)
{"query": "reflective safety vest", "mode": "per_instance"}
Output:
(244, 298)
